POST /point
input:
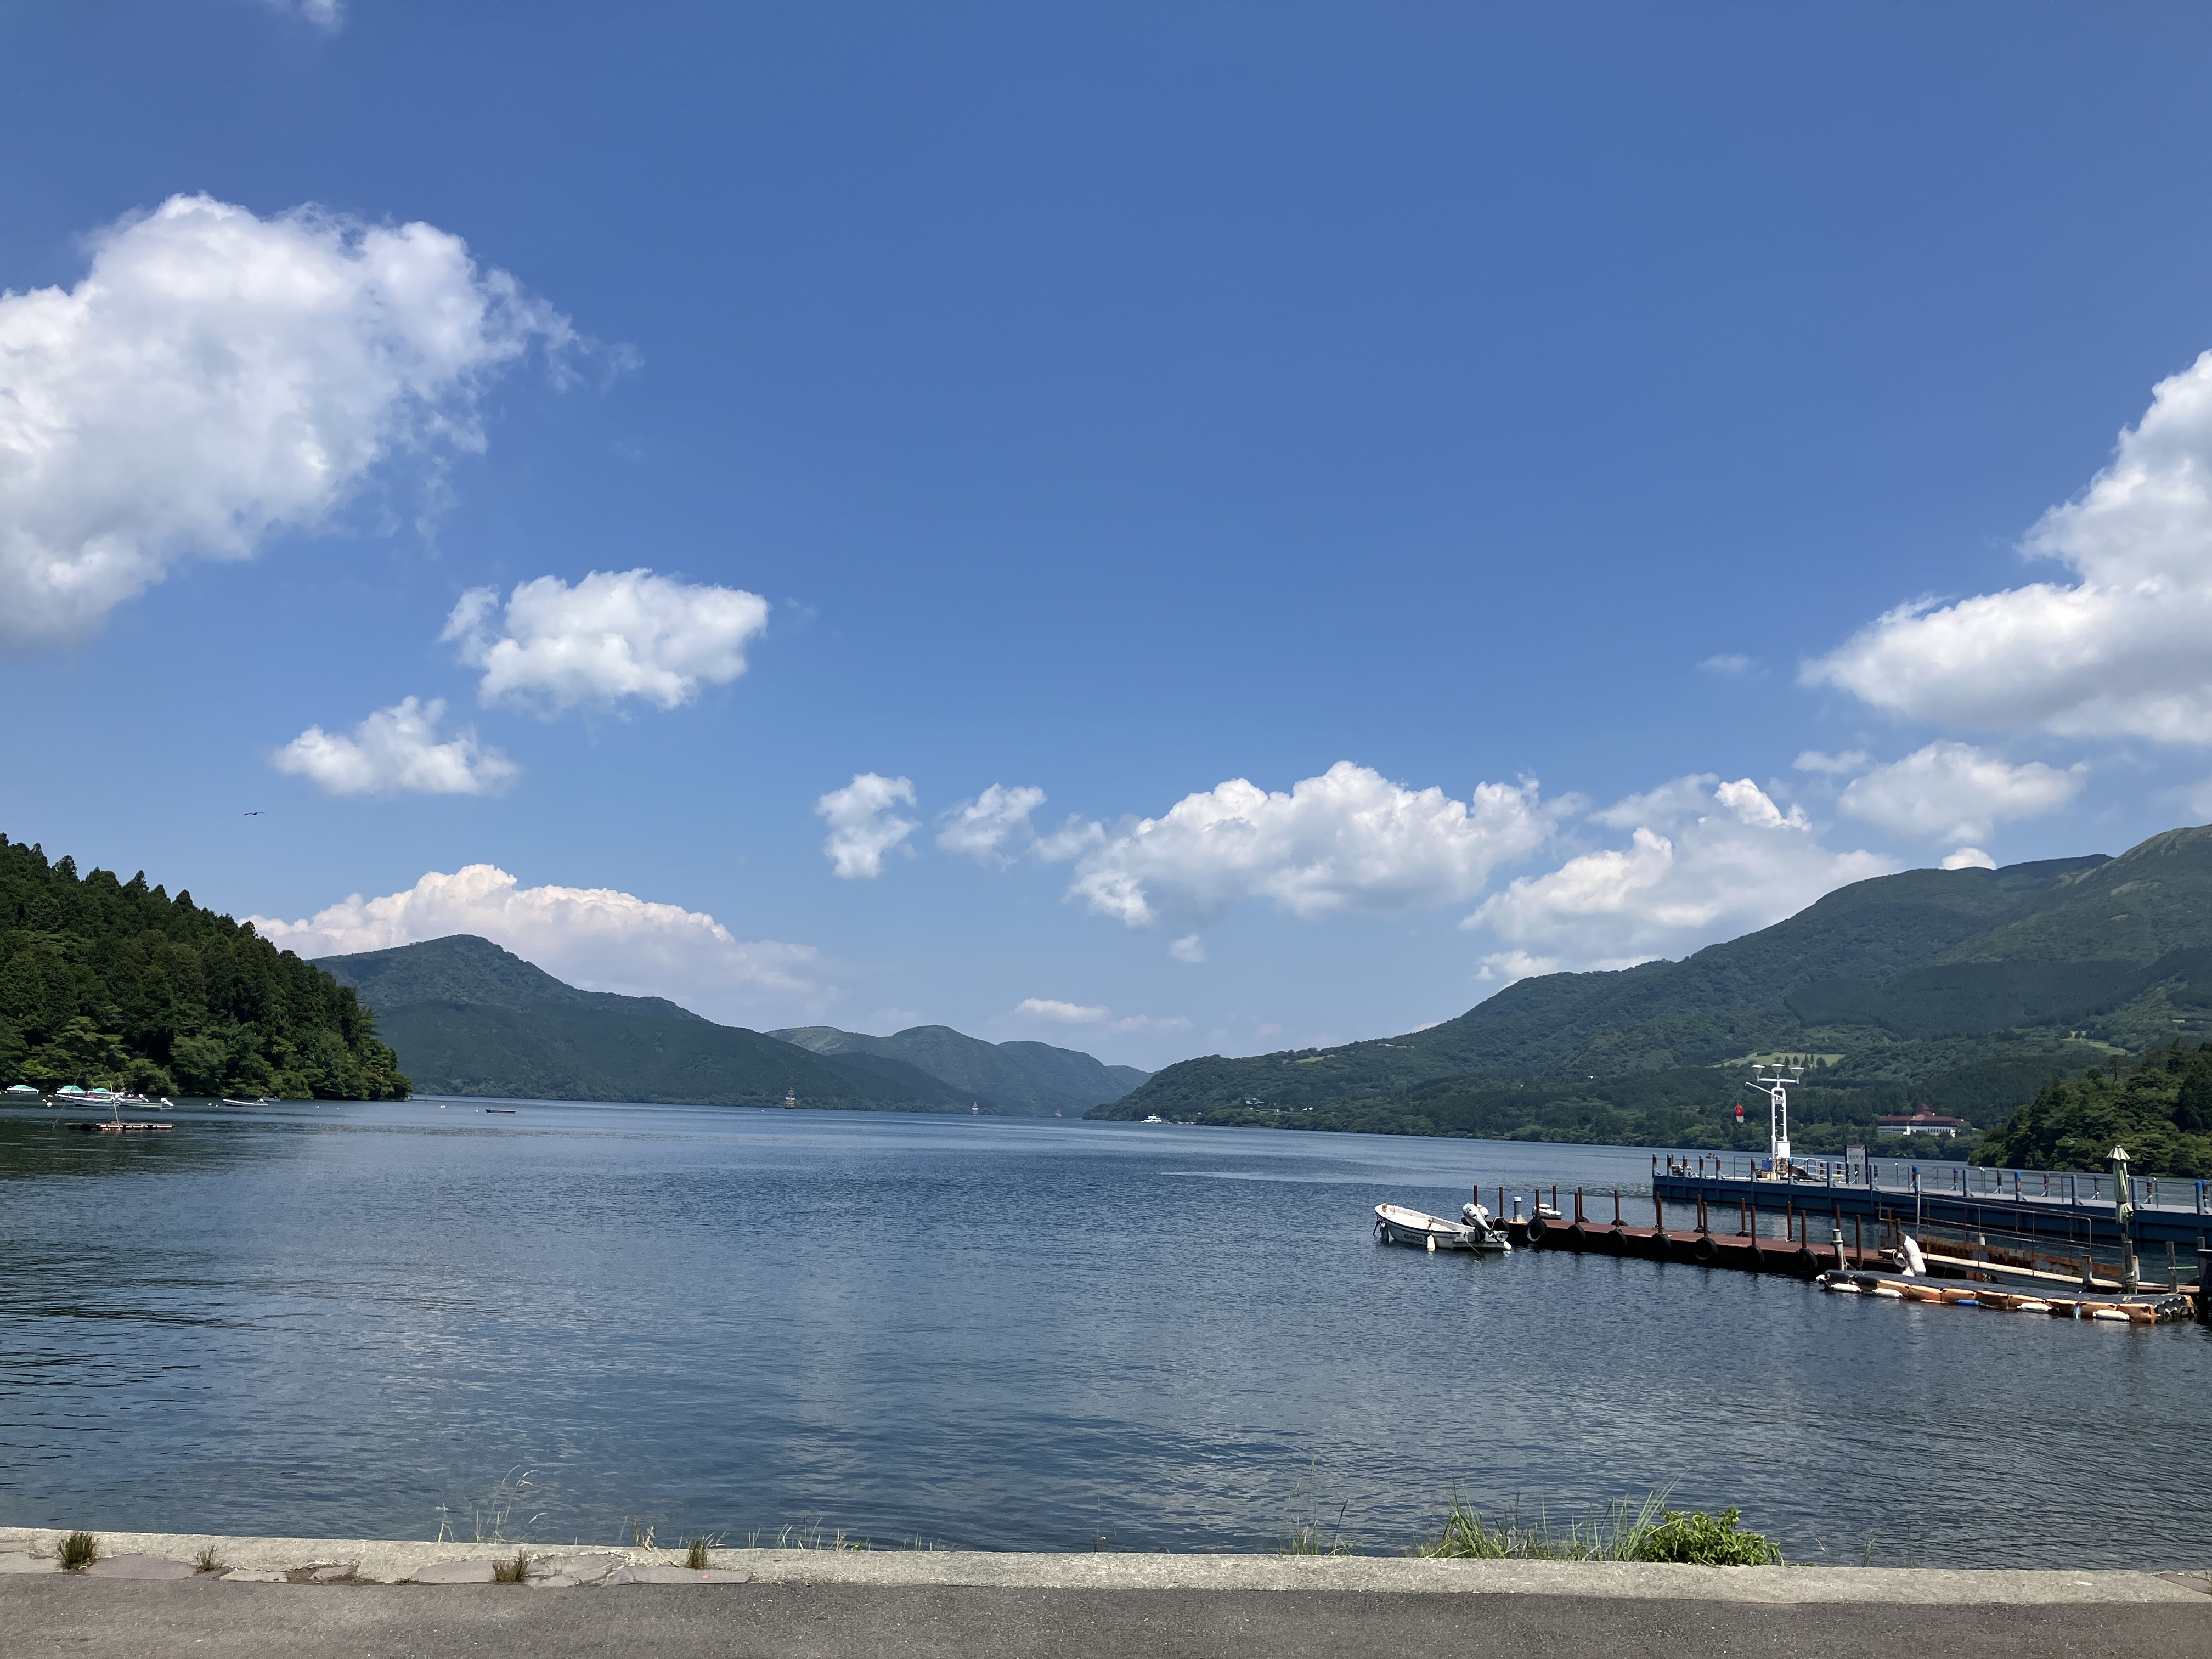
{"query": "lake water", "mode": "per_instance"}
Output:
(359, 1320)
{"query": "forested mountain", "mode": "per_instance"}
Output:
(471, 1019)
(1033, 1078)
(112, 983)
(1961, 989)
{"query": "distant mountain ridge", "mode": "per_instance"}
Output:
(479, 1020)
(471, 1019)
(2016, 959)
(1008, 1077)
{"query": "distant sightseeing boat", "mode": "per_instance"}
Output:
(791, 1100)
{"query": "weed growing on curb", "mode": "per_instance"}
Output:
(694, 1554)
(512, 1572)
(207, 1560)
(1305, 1537)
(489, 1519)
(1625, 1531)
(79, 1550)
(1708, 1541)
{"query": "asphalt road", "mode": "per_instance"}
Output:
(44, 1615)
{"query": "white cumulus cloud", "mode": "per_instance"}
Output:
(1955, 792)
(2119, 650)
(398, 749)
(1062, 1013)
(862, 825)
(1969, 858)
(597, 937)
(1706, 860)
(1349, 840)
(218, 377)
(615, 634)
(1507, 966)
(1051, 1012)
(1189, 948)
(993, 827)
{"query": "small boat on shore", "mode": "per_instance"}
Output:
(1396, 1224)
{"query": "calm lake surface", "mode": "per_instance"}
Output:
(366, 1320)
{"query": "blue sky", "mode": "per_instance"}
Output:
(1425, 494)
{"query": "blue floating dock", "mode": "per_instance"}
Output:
(2058, 1210)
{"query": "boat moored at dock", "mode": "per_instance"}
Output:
(1473, 1230)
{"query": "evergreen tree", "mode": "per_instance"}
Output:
(114, 984)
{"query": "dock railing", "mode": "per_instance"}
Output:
(2056, 1190)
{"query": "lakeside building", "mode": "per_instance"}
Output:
(1919, 1123)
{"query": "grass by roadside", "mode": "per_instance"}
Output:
(1626, 1529)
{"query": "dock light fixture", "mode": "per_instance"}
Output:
(2124, 1215)
(1777, 1088)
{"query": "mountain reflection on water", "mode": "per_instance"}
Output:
(364, 1319)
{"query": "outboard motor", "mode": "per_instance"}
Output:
(1475, 1216)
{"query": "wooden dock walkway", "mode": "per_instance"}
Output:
(1800, 1239)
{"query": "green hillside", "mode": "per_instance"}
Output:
(1958, 988)
(1033, 1078)
(469, 1018)
(112, 983)
(2159, 1109)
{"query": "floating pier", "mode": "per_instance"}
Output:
(2022, 1237)
(2062, 1212)
(1779, 1231)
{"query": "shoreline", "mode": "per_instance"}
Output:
(332, 1562)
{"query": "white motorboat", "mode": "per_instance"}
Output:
(1395, 1224)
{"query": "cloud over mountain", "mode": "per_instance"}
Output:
(1049, 1012)
(1706, 860)
(217, 377)
(1348, 841)
(597, 938)
(1955, 792)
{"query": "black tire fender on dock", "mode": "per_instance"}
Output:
(1537, 1229)
(1616, 1240)
(1805, 1264)
(1704, 1250)
(1578, 1238)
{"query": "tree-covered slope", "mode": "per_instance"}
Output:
(469, 1018)
(1028, 1077)
(464, 968)
(2120, 949)
(2159, 1109)
(113, 983)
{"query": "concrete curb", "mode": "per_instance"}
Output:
(390, 1561)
